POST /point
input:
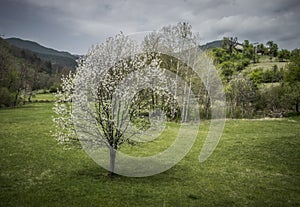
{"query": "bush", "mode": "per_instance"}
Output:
(6, 97)
(54, 87)
(256, 75)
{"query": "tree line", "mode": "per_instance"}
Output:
(249, 93)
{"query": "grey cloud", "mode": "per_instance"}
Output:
(76, 24)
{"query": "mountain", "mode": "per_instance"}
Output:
(210, 45)
(22, 72)
(67, 59)
(47, 54)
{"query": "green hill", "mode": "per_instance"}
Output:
(22, 72)
(210, 45)
(48, 54)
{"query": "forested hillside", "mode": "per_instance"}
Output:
(47, 54)
(22, 71)
(259, 79)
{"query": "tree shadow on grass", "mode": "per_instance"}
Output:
(98, 174)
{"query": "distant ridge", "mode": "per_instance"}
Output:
(66, 58)
(48, 54)
(210, 45)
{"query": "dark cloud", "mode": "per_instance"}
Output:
(75, 25)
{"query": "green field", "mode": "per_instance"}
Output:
(43, 97)
(266, 64)
(257, 163)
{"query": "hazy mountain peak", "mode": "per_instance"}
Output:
(49, 54)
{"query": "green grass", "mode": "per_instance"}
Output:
(266, 64)
(257, 163)
(43, 97)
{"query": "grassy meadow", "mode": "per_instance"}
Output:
(257, 163)
(266, 64)
(43, 97)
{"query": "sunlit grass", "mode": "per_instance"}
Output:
(43, 97)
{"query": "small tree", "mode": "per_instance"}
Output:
(273, 49)
(261, 49)
(229, 44)
(97, 78)
(292, 80)
(241, 94)
(105, 109)
(283, 55)
(64, 130)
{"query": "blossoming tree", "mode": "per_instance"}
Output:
(122, 88)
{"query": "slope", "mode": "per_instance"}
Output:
(48, 54)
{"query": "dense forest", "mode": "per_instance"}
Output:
(22, 72)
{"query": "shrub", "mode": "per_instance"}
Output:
(6, 97)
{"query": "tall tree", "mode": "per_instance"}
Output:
(261, 49)
(283, 55)
(292, 79)
(248, 50)
(272, 49)
(229, 44)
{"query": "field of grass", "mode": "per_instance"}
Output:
(43, 97)
(266, 64)
(257, 163)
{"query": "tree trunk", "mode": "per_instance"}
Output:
(29, 97)
(16, 98)
(112, 161)
(207, 106)
(153, 100)
(184, 104)
(188, 103)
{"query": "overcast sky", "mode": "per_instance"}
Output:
(74, 25)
